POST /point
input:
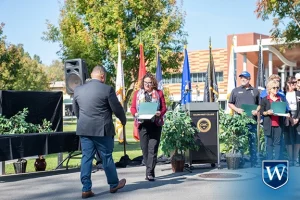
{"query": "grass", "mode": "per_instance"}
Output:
(133, 150)
(71, 126)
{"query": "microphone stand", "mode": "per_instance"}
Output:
(183, 97)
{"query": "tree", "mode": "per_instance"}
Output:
(286, 18)
(90, 30)
(17, 70)
(55, 72)
(37, 58)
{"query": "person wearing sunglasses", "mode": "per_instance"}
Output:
(149, 130)
(272, 125)
(291, 137)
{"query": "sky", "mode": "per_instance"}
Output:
(25, 22)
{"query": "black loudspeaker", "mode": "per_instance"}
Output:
(76, 74)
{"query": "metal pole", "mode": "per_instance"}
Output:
(2, 168)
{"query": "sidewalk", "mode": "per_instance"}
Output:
(64, 185)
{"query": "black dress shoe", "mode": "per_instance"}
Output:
(150, 178)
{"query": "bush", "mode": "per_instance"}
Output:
(17, 124)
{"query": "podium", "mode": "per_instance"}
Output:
(205, 116)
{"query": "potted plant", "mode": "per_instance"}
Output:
(234, 135)
(178, 135)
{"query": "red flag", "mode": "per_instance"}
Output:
(142, 69)
(142, 73)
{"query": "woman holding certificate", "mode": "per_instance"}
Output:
(273, 124)
(149, 129)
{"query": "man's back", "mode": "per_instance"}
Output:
(94, 103)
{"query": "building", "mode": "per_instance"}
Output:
(246, 47)
(67, 101)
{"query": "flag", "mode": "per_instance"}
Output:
(159, 77)
(142, 73)
(231, 83)
(120, 91)
(186, 80)
(260, 81)
(211, 92)
(142, 68)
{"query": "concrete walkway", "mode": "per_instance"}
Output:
(65, 184)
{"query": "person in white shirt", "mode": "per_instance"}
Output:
(292, 139)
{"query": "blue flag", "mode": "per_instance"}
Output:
(186, 81)
(159, 77)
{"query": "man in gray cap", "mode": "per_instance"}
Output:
(246, 94)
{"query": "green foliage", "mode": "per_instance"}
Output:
(235, 131)
(286, 18)
(17, 70)
(55, 72)
(167, 96)
(90, 30)
(17, 124)
(178, 134)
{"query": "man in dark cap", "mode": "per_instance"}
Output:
(246, 94)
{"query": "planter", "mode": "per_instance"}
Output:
(177, 165)
(233, 162)
(20, 166)
(40, 164)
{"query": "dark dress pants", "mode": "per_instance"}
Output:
(149, 140)
(273, 143)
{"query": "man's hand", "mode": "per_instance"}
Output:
(239, 110)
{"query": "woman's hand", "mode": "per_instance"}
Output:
(296, 121)
(136, 115)
(157, 113)
(287, 121)
(270, 112)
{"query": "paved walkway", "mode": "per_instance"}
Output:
(65, 184)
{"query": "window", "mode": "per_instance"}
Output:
(219, 76)
(223, 104)
(194, 77)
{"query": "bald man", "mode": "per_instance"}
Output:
(93, 105)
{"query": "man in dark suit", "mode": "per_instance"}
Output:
(93, 104)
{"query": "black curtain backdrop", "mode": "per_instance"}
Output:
(41, 105)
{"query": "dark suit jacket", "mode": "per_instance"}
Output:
(265, 105)
(93, 104)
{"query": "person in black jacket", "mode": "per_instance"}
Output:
(273, 125)
(93, 104)
(292, 139)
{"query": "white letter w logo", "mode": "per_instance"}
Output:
(275, 171)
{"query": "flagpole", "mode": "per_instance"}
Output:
(209, 71)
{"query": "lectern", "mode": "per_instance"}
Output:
(205, 116)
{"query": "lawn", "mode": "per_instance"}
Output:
(132, 149)
(71, 126)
